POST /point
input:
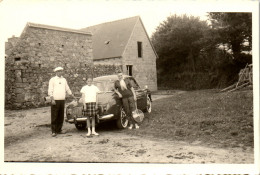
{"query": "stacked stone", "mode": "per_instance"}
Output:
(30, 64)
(27, 83)
(101, 70)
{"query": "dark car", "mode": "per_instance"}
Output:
(109, 104)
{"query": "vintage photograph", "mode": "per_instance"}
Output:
(144, 82)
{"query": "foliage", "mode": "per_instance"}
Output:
(187, 45)
(178, 42)
(234, 30)
(219, 119)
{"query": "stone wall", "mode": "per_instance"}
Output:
(10, 44)
(49, 47)
(26, 84)
(31, 58)
(144, 68)
(108, 61)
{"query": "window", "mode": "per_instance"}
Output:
(129, 69)
(17, 59)
(139, 49)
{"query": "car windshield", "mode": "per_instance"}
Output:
(104, 85)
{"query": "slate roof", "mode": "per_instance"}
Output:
(110, 38)
(29, 24)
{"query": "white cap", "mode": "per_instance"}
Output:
(58, 68)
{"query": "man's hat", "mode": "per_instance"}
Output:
(57, 69)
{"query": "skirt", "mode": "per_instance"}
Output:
(90, 110)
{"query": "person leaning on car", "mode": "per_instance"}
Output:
(125, 91)
(58, 87)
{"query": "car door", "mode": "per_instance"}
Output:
(140, 94)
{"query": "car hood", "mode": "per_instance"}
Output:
(105, 98)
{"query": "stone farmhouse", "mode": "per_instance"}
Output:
(126, 43)
(93, 51)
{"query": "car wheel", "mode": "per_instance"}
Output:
(149, 105)
(81, 126)
(122, 121)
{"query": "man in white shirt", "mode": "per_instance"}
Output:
(58, 87)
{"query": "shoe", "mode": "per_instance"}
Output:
(62, 132)
(130, 127)
(94, 133)
(53, 134)
(136, 126)
(88, 134)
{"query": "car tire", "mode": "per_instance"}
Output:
(122, 121)
(148, 105)
(81, 126)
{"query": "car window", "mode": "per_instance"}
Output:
(104, 85)
(134, 83)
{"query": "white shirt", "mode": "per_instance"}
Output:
(58, 87)
(90, 93)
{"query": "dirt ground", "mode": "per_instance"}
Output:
(28, 138)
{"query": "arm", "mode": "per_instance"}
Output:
(97, 91)
(118, 93)
(116, 90)
(50, 91)
(133, 91)
(129, 85)
(83, 98)
(67, 89)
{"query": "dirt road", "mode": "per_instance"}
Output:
(28, 138)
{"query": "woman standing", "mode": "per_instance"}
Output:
(89, 96)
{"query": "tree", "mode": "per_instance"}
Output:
(178, 41)
(234, 30)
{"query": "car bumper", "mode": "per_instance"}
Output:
(82, 119)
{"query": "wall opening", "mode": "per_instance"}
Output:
(40, 65)
(129, 69)
(62, 46)
(139, 49)
(17, 59)
(39, 44)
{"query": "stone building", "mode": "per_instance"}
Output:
(31, 58)
(126, 43)
(94, 51)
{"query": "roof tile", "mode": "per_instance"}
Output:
(111, 38)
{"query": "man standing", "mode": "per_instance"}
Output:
(125, 91)
(58, 87)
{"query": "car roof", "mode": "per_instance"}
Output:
(109, 77)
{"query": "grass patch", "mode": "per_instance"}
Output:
(220, 119)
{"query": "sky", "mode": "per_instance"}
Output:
(78, 14)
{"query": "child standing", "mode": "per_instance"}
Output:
(89, 96)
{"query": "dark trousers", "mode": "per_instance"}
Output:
(129, 107)
(57, 116)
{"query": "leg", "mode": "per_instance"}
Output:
(133, 107)
(127, 110)
(88, 125)
(93, 126)
(60, 115)
(54, 115)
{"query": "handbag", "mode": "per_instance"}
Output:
(138, 115)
